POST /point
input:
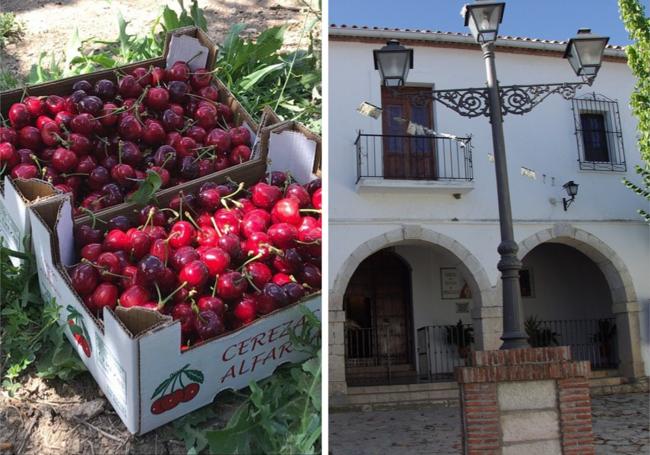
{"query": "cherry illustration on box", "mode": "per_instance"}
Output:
(78, 329)
(178, 391)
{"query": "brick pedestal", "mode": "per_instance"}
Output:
(526, 401)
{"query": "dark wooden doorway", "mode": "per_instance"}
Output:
(379, 328)
(407, 157)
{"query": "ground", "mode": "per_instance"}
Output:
(621, 426)
(53, 417)
(47, 24)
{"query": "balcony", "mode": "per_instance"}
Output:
(436, 163)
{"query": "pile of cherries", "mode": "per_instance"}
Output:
(99, 141)
(215, 260)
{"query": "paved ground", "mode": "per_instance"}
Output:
(621, 426)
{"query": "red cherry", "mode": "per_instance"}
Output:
(181, 234)
(240, 136)
(183, 312)
(281, 279)
(160, 249)
(297, 191)
(195, 274)
(157, 98)
(54, 104)
(19, 115)
(24, 171)
(91, 251)
(209, 324)
(240, 154)
(264, 195)
(30, 137)
(219, 139)
(286, 210)
(129, 128)
(216, 259)
(84, 279)
(168, 402)
(200, 78)
(116, 240)
(283, 235)
(109, 265)
(211, 303)
(178, 72)
(263, 303)
(316, 199)
(245, 310)
(183, 256)
(259, 273)
(134, 296)
(105, 295)
(231, 285)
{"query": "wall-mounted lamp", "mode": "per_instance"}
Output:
(571, 188)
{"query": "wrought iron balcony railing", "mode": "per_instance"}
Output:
(406, 157)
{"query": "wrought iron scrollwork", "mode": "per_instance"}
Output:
(515, 99)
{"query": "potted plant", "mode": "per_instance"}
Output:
(604, 336)
(539, 336)
(462, 337)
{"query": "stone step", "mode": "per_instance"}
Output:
(604, 373)
(606, 381)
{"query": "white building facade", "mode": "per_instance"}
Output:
(414, 220)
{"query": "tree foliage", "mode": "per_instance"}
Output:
(638, 59)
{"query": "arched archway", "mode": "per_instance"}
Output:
(622, 299)
(415, 237)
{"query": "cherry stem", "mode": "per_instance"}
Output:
(216, 228)
(214, 288)
(311, 211)
(254, 258)
(250, 281)
(92, 216)
(189, 217)
(196, 55)
(162, 303)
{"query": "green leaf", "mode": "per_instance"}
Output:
(253, 78)
(147, 188)
(170, 19)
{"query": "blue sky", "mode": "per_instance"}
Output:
(548, 19)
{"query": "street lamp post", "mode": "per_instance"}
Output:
(483, 17)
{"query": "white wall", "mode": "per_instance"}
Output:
(543, 140)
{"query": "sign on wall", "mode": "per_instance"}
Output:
(452, 284)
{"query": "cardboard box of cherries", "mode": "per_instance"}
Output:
(109, 136)
(171, 302)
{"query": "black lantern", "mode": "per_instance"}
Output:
(571, 188)
(483, 19)
(393, 62)
(585, 52)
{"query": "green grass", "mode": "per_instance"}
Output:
(11, 31)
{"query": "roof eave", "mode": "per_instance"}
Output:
(453, 38)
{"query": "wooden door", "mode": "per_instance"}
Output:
(406, 157)
(381, 285)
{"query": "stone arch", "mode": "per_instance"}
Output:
(615, 271)
(624, 300)
(487, 326)
(477, 277)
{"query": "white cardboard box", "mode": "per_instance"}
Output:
(133, 352)
(15, 199)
